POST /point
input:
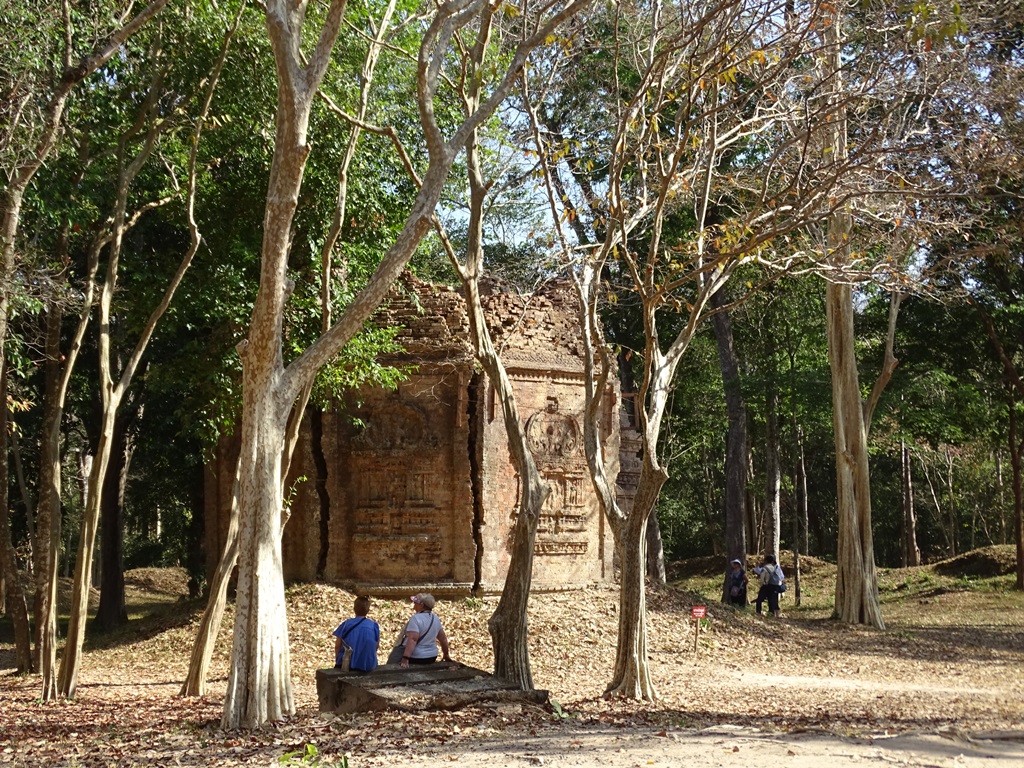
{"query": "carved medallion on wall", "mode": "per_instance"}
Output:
(556, 441)
(554, 438)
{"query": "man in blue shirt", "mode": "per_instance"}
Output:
(362, 634)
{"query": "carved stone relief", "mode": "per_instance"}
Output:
(555, 439)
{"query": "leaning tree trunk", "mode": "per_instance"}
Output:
(209, 625)
(67, 679)
(631, 676)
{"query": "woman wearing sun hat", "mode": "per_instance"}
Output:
(423, 633)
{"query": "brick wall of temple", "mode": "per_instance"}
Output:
(414, 488)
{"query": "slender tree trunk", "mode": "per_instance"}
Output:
(773, 472)
(940, 517)
(15, 597)
(954, 523)
(805, 504)
(1016, 441)
(911, 552)
(735, 445)
(796, 538)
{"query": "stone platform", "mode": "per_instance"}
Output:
(445, 685)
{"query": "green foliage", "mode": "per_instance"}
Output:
(558, 712)
(310, 755)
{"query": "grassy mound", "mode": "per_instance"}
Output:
(987, 562)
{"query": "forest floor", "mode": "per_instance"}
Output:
(942, 685)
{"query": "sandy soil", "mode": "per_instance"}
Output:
(943, 685)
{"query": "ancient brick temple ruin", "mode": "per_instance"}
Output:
(414, 488)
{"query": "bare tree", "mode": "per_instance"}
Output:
(726, 134)
(508, 624)
(676, 133)
(259, 684)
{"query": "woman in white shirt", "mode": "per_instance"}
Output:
(423, 633)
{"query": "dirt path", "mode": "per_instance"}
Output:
(941, 687)
(726, 747)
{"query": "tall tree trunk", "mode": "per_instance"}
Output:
(773, 472)
(856, 581)
(15, 597)
(508, 625)
(48, 515)
(1016, 441)
(736, 442)
(911, 552)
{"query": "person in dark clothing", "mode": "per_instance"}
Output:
(736, 584)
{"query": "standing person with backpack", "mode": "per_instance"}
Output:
(358, 639)
(772, 585)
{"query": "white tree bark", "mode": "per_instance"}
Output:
(857, 599)
(259, 685)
